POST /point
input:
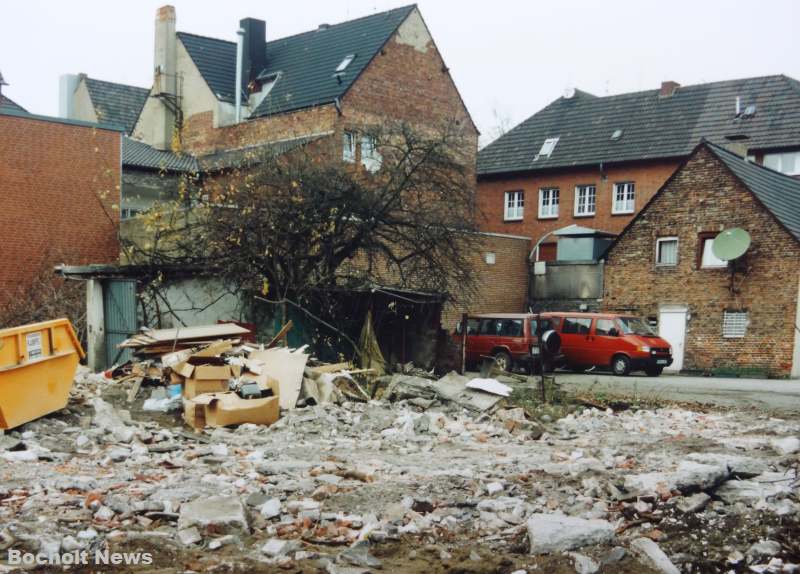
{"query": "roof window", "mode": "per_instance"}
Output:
(616, 135)
(547, 147)
(344, 63)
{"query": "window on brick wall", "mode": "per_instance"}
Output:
(667, 251)
(734, 324)
(349, 147)
(788, 163)
(370, 158)
(548, 203)
(514, 205)
(707, 258)
(585, 200)
(624, 198)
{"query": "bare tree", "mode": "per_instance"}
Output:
(303, 225)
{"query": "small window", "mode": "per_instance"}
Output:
(344, 63)
(548, 203)
(734, 324)
(708, 260)
(667, 251)
(585, 200)
(370, 158)
(576, 326)
(616, 135)
(349, 147)
(788, 163)
(547, 148)
(472, 327)
(490, 258)
(602, 327)
(624, 198)
(514, 205)
(512, 328)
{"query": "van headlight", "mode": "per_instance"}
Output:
(645, 348)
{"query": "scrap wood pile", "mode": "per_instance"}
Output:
(221, 377)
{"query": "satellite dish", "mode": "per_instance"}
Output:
(731, 244)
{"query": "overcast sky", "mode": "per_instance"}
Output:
(508, 58)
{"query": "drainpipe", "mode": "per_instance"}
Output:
(239, 58)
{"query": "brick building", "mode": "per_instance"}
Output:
(59, 181)
(596, 161)
(662, 266)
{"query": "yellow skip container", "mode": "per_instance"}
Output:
(37, 365)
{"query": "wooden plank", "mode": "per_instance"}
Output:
(281, 334)
(134, 389)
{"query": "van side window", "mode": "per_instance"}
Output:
(488, 327)
(576, 326)
(512, 328)
(603, 326)
(472, 326)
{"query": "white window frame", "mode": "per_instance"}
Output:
(620, 207)
(549, 211)
(578, 204)
(370, 158)
(548, 146)
(716, 263)
(345, 63)
(349, 147)
(779, 159)
(514, 210)
(734, 326)
(661, 240)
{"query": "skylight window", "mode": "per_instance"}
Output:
(616, 135)
(346, 62)
(547, 147)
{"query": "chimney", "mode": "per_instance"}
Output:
(254, 57)
(668, 88)
(67, 84)
(165, 76)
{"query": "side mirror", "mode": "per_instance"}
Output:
(612, 332)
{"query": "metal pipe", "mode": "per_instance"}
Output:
(239, 58)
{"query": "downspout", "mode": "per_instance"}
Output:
(239, 59)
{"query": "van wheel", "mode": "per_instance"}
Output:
(503, 361)
(654, 371)
(621, 365)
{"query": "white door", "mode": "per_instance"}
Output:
(672, 327)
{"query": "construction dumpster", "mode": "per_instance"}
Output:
(37, 365)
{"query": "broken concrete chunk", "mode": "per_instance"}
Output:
(109, 420)
(556, 533)
(694, 503)
(271, 508)
(222, 514)
(584, 564)
(223, 541)
(650, 554)
(358, 555)
(189, 536)
(277, 548)
(694, 475)
(764, 549)
(785, 445)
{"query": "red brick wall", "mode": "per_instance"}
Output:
(501, 287)
(705, 197)
(648, 177)
(59, 185)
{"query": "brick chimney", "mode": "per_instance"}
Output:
(165, 76)
(254, 53)
(668, 88)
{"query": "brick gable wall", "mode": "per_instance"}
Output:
(705, 197)
(60, 184)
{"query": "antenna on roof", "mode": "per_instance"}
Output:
(2, 82)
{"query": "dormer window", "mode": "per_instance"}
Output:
(547, 148)
(346, 62)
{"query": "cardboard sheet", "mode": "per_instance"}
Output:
(287, 367)
(224, 409)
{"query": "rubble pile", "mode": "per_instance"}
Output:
(432, 470)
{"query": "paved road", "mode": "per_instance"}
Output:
(781, 395)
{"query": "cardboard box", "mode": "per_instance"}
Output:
(207, 379)
(224, 409)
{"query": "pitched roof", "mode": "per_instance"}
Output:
(778, 192)
(141, 155)
(118, 104)
(306, 62)
(7, 103)
(651, 126)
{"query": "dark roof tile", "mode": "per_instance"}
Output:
(7, 103)
(117, 104)
(141, 155)
(652, 126)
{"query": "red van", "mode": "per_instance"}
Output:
(623, 343)
(508, 337)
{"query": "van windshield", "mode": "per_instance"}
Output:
(635, 326)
